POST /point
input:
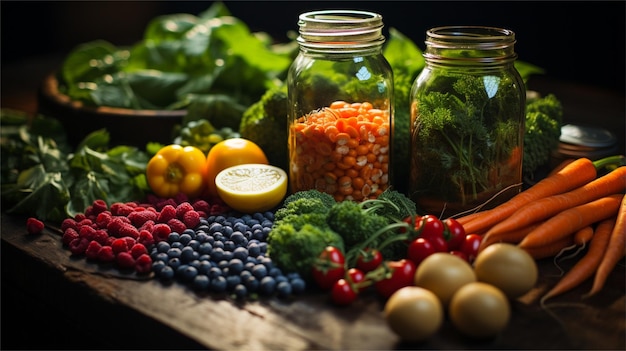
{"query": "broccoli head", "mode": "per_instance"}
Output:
(353, 223)
(544, 118)
(301, 206)
(391, 204)
(265, 123)
(327, 199)
(296, 248)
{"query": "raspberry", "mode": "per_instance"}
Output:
(89, 212)
(138, 250)
(68, 235)
(143, 264)
(149, 225)
(79, 217)
(146, 238)
(78, 246)
(125, 260)
(116, 224)
(101, 236)
(110, 240)
(87, 232)
(99, 206)
(85, 222)
(176, 225)
(191, 219)
(183, 208)
(162, 203)
(167, 212)
(201, 205)
(217, 209)
(92, 250)
(120, 209)
(161, 231)
(105, 254)
(68, 223)
(103, 219)
(202, 214)
(119, 245)
(139, 217)
(34, 226)
(129, 230)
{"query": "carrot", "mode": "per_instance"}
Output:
(560, 166)
(569, 221)
(513, 237)
(541, 209)
(572, 176)
(615, 250)
(583, 235)
(552, 249)
(587, 265)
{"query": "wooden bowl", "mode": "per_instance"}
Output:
(125, 126)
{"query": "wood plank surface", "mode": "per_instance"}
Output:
(138, 313)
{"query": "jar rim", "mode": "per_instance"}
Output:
(471, 34)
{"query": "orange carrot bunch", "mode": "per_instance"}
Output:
(574, 206)
(342, 150)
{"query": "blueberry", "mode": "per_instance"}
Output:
(252, 283)
(228, 255)
(174, 252)
(220, 219)
(173, 237)
(201, 282)
(174, 262)
(240, 291)
(283, 289)
(298, 285)
(238, 238)
(227, 231)
(240, 253)
(239, 227)
(222, 264)
(229, 245)
(194, 244)
(217, 254)
(204, 257)
(163, 246)
(259, 271)
(275, 272)
(267, 262)
(232, 281)
(215, 272)
(268, 285)
(189, 273)
(235, 266)
(167, 273)
(254, 249)
(216, 227)
(157, 266)
(204, 267)
(188, 254)
(218, 284)
(281, 278)
(185, 238)
(177, 245)
(161, 256)
(218, 236)
(190, 232)
(245, 274)
(205, 248)
(218, 244)
(202, 237)
(195, 263)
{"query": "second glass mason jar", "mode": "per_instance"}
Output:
(340, 89)
(467, 121)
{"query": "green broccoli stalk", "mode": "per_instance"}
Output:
(265, 123)
(544, 118)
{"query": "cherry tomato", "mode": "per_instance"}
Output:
(369, 260)
(342, 293)
(355, 276)
(419, 249)
(470, 246)
(431, 228)
(454, 233)
(402, 274)
(329, 267)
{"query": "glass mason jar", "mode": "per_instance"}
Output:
(467, 121)
(340, 89)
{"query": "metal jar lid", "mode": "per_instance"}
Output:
(587, 136)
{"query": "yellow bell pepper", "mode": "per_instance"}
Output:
(175, 169)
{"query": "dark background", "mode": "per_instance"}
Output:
(580, 41)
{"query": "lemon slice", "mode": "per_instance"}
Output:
(251, 187)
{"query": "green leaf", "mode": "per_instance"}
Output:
(220, 110)
(92, 60)
(402, 53)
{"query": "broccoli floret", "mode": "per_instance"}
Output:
(297, 248)
(299, 220)
(301, 206)
(544, 118)
(265, 123)
(392, 204)
(327, 199)
(353, 223)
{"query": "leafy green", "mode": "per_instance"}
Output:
(42, 177)
(210, 64)
(544, 118)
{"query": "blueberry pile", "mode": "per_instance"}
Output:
(224, 254)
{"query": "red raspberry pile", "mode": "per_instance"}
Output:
(124, 232)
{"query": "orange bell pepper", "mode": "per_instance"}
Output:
(175, 169)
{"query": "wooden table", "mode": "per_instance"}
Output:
(53, 301)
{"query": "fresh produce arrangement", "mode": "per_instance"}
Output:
(211, 210)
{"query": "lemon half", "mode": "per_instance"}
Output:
(251, 187)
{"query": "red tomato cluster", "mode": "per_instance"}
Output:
(436, 235)
(429, 235)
